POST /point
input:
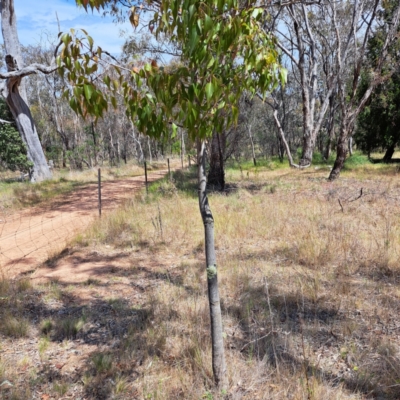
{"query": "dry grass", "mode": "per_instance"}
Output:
(309, 286)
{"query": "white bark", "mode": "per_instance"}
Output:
(285, 143)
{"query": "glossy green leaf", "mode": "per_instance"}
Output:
(174, 130)
(88, 89)
(209, 89)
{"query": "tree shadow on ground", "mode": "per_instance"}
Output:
(108, 336)
(382, 161)
(287, 332)
(101, 265)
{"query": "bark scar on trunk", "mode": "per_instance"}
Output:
(11, 63)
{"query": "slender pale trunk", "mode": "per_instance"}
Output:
(218, 353)
(111, 148)
(351, 145)
(252, 146)
(139, 150)
(15, 94)
(149, 146)
(283, 138)
(330, 127)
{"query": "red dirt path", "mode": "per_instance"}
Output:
(29, 237)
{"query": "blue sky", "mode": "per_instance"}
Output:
(37, 23)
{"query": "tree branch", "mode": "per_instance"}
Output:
(29, 70)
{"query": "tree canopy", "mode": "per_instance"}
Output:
(224, 52)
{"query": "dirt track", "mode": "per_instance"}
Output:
(29, 237)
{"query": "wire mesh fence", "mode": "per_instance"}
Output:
(30, 236)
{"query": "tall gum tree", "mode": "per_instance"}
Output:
(225, 51)
(12, 88)
(303, 32)
(350, 104)
(325, 44)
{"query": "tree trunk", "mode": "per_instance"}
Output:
(15, 94)
(285, 143)
(351, 145)
(308, 150)
(341, 153)
(216, 174)
(117, 151)
(252, 146)
(139, 150)
(389, 152)
(331, 134)
(64, 158)
(125, 149)
(218, 353)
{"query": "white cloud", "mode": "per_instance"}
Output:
(37, 23)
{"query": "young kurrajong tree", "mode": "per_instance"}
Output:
(225, 52)
(12, 88)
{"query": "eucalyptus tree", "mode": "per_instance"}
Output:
(325, 43)
(13, 90)
(305, 37)
(224, 51)
(367, 19)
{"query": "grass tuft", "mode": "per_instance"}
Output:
(14, 327)
(69, 327)
(102, 363)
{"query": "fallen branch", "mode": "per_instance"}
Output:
(359, 196)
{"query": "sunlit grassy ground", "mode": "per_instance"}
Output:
(309, 281)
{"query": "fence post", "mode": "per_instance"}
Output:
(99, 189)
(145, 177)
(169, 170)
